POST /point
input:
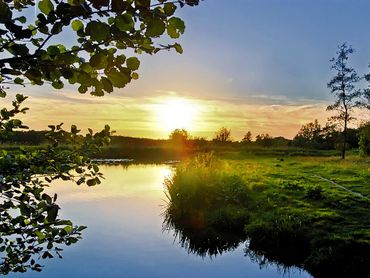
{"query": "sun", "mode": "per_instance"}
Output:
(176, 112)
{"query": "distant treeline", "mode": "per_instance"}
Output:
(310, 136)
(31, 137)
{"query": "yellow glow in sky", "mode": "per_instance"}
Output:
(176, 112)
(157, 116)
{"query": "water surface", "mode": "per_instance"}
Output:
(124, 237)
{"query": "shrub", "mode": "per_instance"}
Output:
(364, 143)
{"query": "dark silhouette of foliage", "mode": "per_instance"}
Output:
(310, 135)
(364, 143)
(264, 140)
(247, 137)
(104, 31)
(342, 86)
(223, 135)
(33, 52)
(30, 227)
(366, 93)
(179, 136)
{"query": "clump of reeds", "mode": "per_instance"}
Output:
(204, 190)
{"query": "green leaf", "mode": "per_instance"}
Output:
(96, 168)
(175, 27)
(76, 2)
(33, 29)
(98, 61)
(91, 182)
(18, 80)
(65, 59)
(169, 9)
(98, 31)
(40, 235)
(82, 89)
(46, 6)
(133, 63)
(77, 25)
(53, 50)
(52, 213)
(119, 6)
(172, 32)
(178, 48)
(22, 19)
(19, 49)
(20, 98)
(107, 85)
(5, 13)
(57, 84)
(135, 76)
(118, 79)
(142, 3)
(68, 229)
(156, 27)
(57, 28)
(33, 74)
(124, 22)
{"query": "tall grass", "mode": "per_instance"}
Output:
(207, 206)
(205, 184)
(287, 215)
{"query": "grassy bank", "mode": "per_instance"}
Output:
(310, 212)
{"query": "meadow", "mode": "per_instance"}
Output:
(303, 211)
(291, 207)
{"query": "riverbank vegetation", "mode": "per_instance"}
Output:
(309, 212)
(312, 139)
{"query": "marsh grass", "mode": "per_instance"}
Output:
(207, 191)
(288, 214)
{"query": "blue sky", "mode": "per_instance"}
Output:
(259, 65)
(270, 47)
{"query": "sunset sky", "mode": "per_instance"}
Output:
(258, 65)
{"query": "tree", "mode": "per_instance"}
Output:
(342, 86)
(34, 53)
(247, 137)
(223, 135)
(364, 142)
(365, 102)
(310, 131)
(264, 139)
(104, 31)
(330, 133)
(179, 136)
(309, 135)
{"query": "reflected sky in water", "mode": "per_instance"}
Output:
(124, 236)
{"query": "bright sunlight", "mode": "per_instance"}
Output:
(176, 112)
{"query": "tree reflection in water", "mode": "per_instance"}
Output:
(30, 229)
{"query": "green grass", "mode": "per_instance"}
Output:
(289, 214)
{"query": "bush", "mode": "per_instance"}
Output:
(364, 143)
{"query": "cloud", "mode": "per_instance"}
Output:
(138, 116)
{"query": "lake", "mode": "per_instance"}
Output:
(125, 236)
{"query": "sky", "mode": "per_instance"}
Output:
(249, 65)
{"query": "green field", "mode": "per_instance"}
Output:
(310, 212)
